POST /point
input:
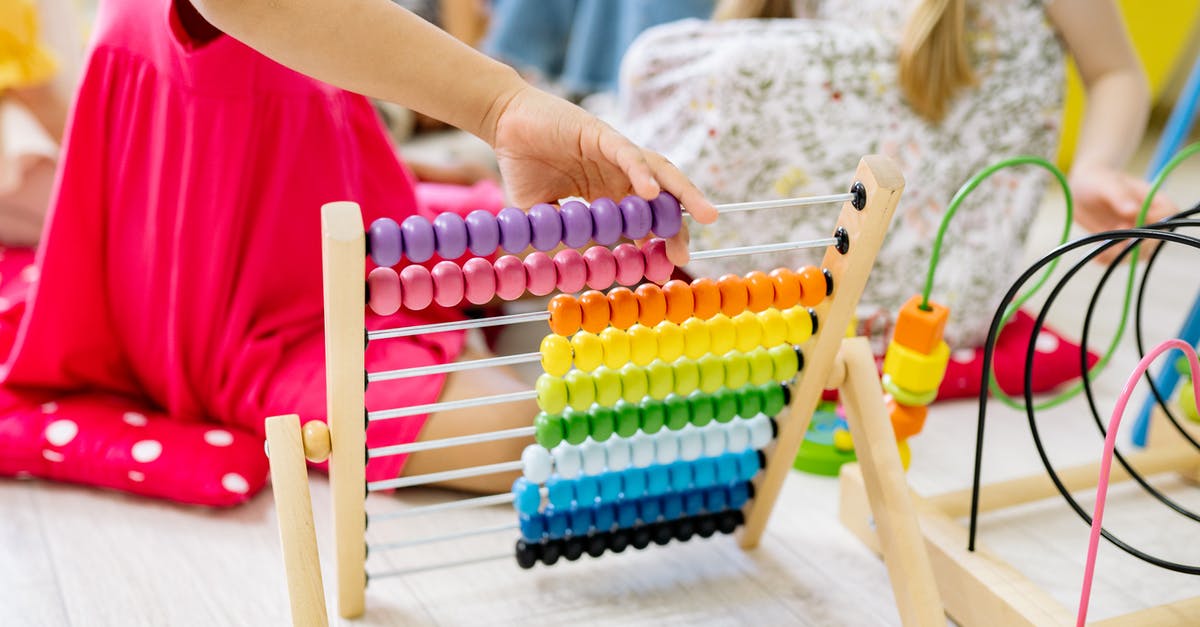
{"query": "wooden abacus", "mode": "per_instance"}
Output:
(672, 461)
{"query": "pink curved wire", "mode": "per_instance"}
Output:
(1110, 441)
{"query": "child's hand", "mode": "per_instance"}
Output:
(548, 149)
(1107, 199)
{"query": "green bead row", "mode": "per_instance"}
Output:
(605, 386)
(651, 415)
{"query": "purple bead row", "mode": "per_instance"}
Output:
(543, 227)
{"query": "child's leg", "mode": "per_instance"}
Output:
(116, 443)
(470, 384)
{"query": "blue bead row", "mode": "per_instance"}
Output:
(580, 521)
(634, 483)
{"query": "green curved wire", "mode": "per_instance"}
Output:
(966, 190)
(1062, 397)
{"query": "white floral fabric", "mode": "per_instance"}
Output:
(759, 109)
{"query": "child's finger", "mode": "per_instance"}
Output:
(630, 159)
(677, 247)
(688, 194)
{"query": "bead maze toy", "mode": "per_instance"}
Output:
(666, 412)
(979, 587)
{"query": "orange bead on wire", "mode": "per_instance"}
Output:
(812, 286)
(733, 294)
(760, 291)
(787, 288)
(706, 297)
(596, 311)
(652, 304)
(565, 315)
(623, 307)
(681, 304)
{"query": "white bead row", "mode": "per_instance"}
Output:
(642, 450)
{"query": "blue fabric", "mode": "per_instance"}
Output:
(578, 43)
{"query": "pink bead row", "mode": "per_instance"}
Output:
(478, 281)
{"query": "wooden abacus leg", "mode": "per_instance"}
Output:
(293, 507)
(865, 224)
(344, 249)
(887, 491)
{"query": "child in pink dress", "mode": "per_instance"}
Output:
(179, 298)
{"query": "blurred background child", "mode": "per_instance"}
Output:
(778, 107)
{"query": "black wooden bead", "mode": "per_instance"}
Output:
(727, 522)
(618, 540)
(573, 548)
(828, 280)
(685, 528)
(527, 555)
(640, 537)
(551, 551)
(597, 543)
(705, 526)
(663, 532)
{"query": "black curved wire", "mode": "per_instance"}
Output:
(1030, 353)
(1156, 232)
(1137, 329)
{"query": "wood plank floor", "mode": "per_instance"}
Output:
(74, 556)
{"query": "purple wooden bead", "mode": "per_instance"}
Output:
(514, 229)
(546, 226)
(418, 238)
(667, 216)
(636, 214)
(577, 224)
(451, 233)
(606, 222)
(385, 242)
(483, 233)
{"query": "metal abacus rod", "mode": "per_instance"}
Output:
(471, 503)
(445, 475)
(466, 403)
(764, 248)
(736, 207)
(454, 366)
(442, 565)
(427, 445)
(541, 316)
(457, 535)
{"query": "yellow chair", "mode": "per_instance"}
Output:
(1160, 31)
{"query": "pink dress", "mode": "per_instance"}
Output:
(179, 298)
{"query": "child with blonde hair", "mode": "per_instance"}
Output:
(779, 107)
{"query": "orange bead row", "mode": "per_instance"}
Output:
(677, 300)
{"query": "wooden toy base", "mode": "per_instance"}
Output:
(979, 588)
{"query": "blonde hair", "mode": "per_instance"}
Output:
(751, 9)
(934, 62)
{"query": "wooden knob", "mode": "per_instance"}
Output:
(316, 441)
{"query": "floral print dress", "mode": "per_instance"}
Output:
(759, 109)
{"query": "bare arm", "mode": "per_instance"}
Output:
(547, 148)
(375, 48)
(1118, 98)
(1118, 104)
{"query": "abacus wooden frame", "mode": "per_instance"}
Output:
(983, 589)
(830, 362)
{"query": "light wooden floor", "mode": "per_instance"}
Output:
(81, 557)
